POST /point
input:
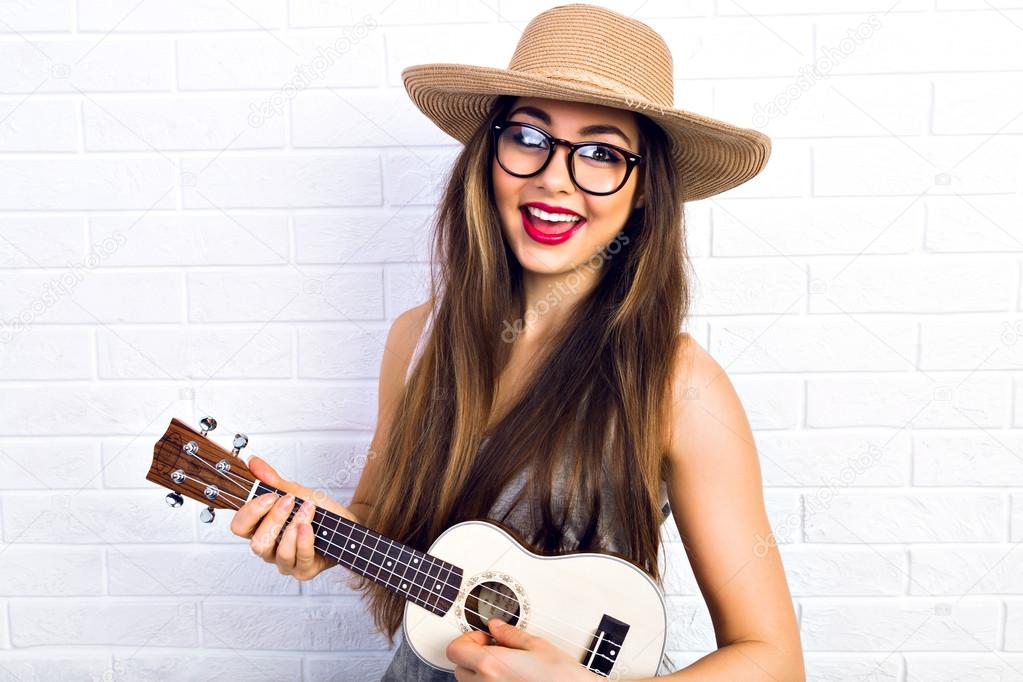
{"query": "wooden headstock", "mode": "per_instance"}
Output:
(190, 464)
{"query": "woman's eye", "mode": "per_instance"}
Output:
(601, 154)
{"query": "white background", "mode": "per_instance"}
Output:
(200, 213)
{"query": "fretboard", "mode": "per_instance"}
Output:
(422, 578)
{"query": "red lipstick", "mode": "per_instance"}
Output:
(538, 235)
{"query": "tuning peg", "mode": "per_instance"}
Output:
(240, 441)
(207, 424)
(207, 514)
(174, 499)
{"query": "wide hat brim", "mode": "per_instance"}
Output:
(710, 156)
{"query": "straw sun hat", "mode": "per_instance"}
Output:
(586, 53)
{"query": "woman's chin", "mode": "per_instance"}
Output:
(540, 261)
(545, 259)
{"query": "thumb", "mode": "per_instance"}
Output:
(264, 472)
(509, 635)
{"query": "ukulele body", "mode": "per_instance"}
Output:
(602, 610)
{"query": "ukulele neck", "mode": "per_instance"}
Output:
(421, 578)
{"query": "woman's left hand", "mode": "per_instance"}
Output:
(517, 657)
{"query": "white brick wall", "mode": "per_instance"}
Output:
(219, 207)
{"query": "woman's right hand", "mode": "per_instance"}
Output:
(260, 519)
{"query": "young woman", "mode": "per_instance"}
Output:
(547, 385)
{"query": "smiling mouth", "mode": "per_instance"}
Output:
(552, 223)
(548, 232)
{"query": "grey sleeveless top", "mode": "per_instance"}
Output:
(405, 666)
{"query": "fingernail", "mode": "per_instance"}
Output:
(269, 499)
(287, 501)
(306, 510)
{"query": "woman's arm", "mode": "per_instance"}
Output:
(716, 497)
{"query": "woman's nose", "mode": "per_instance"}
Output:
(555, 175)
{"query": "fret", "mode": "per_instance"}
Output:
(347, 543)
(410, 583)
(420, 578)
(446, 584)
(374, 558)
(325, 529)
(433, 584)
(377, 561)
(358, 539)
(356, 550)
(349, 546)
(391, 565)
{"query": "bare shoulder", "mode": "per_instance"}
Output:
(406, 330)
(693, 369)
(692, 357)
(706, 408)
(399, 346)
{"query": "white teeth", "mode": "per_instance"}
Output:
(553, 217)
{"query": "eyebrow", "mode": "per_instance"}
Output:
(595, 129)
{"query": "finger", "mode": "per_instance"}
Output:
(264, 472)
(250, 514)
(510, 636)
(479, 637)
(466, 650)
(305, 560)
(267, 474)
(264, 540)
(465, 675)
(285, 555)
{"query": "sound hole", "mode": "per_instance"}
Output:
(491, 600)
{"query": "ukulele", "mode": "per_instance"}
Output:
(602, 610)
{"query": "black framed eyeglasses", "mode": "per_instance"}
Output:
(523, 150)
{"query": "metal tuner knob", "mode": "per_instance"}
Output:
(207, 514)
(240, 441)
(207, 424)
(174, 499)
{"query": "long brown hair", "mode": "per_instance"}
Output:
(609, 364)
